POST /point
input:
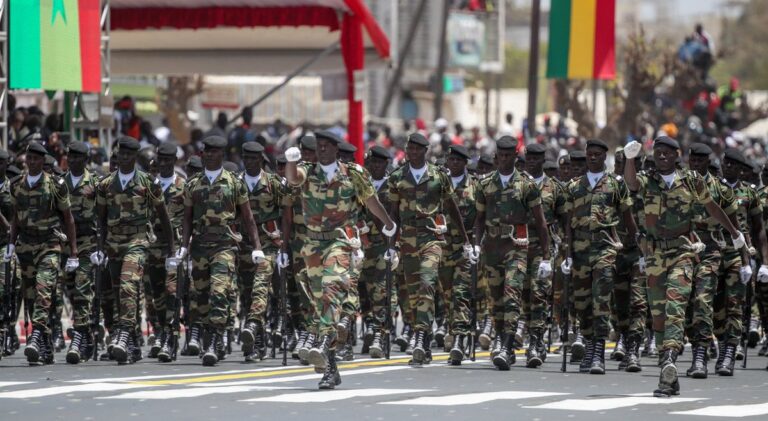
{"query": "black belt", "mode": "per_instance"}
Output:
(128, 229)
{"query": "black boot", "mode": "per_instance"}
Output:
(598, 357)
(193, 348)
(134, 348)
(343, 329)
(439, 334)
(319, 354)
(290, 332)
(47, 350)
(578, 348)
(347, 352)
(367, 336)
(506, 356)
(486, 333)
(300, 341)
(331, 377)
(631, 361)
(533, 359)
(496, 345)
(156, 339)
(251, 330)
(169, 341)
(589, 352)
(58, 338)
(120, 348)
(728, 362)
(376, 349)
(404, 338)
(420, 346)
(258, 350)
(457, 353)
(621, 349)
(223, 345)
(698, 368)
(76, 350)
(305, 347)
(720, 355)
(211, 355)
(34, 346)
(668, 383)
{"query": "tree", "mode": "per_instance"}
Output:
(174, 104)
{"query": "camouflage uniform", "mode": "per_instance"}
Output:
(304, 313)
(6, 208)
(761, 288)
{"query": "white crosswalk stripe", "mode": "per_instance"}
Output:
(729, 411)
(62, 390)
(472, 398)
(334, 395)
(604, 404)
(191, 392)
(8, 384)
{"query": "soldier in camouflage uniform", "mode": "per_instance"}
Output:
(419, 193)
(212, 201)
(669, 197)
(506, 201)
(40, 202)
(596, 202)
(761, 288)
(265, 194)
(329, 190)
(78, 285)
(123, 200)
(6, 212)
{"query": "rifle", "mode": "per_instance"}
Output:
(96, 309)
(566, 314)
(185, 297)
(473, 310)
(746, 319)
(181, 285)
(7, 311)
(284, 310)
(388, 325)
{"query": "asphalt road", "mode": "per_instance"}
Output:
(371, 390)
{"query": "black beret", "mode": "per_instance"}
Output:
(700, 149)
(36, 147)
(280, 159)
(535, 149)
(347, 147)
(4, 154)
(231, 166)
(459, 150)
(736, 155)
(330, 136)
(128, 143)
(379, 152)
(714, 164)
(486, 159)
(167, 149)
(666, 141)
(215, 142)
(308, 142)
(578, 156)
(13, 170)
(550, 165)
(253, 147)
(565, 159)
(79, 147)
(418, 139)
(195, 162)
(506, 142)
(50, 160)
(598, 144)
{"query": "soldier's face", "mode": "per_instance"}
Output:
(483, 168)
(76, 162)
(534, 163)
(327, 151)
(213, 158)
(664, 157)
(377, 167)
(596, 159)
(35, 163)
(698, 163)
(253, 163)
(456, 165)
(565, 171)
(126, 160)
(165, 165)
(416, 154)
(308, 156)
(579, 168)
(505, 159)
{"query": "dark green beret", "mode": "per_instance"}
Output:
(535, 149)
(50, 160)
(195, 162)
(78, 147)
(565, 159)
(253, 147)
(329, 136)
(128, 143)
(459, 150)
(35, 147)
(379, 152)
(506, 142)
(418, 139)
(597, 143)
(550, 165)
(714, 164)
(485, 159)
(280, 159)
(167, 149)
(231, 166)
(215, 142)
(347, 147)
(578, 155)
(737, 156)
(700, 149)
(308, 142)
(12, 171)
(666, 141)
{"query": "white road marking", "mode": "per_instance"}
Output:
(604, 404)
(730, 411)
(6, 384)
(313, 376)
(333, 395)
(191, 392)
(61, 390)
(472, 398)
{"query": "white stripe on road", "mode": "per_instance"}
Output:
(61, 390)
(313, 376)
(472, 398)
(6, 384)
(334, 395)
(731, 411)
(191, 392)
(610, 403)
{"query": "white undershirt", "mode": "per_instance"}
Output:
(539, 180)
(378, 183)
(166, 182)
(126, 178)
(669, 179)
(75, 179)
(417, 173)
(457, 180)
(505, 178)
(251, 182)
(33, 179)
(329, 170)
(594, 177)
(213, 175)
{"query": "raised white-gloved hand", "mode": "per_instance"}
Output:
(293, 154)
(739, 241)
(392, 256)
(632, 149)
(566, 266)
(181, 253)
(545, 269)
(72, 264)
(282, 260)
(357, 257)
(257, 256)
(389, 233)
(468, 251)
(745, 274)
(171, 264)
(8, 255)
(97, 258)
(641, 264)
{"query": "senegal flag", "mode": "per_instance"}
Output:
(55, 45)
(582, 39)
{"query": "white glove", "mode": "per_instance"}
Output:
(389, 233)
(257, 256)
(762, 274)
(566, 266)
(468, 252)
(739, 241)
(391, 256)
(745, 274)
(97, 258)
(181, 253)
(641, 264)
(752, 251)
(293, 154)
(357, 257)
(9, 252)
(545, 269)
(171, 264)
(282, 260)
(632, 149)
(475, 256)
(72, 264)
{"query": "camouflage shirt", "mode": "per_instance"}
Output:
(748, 205)
(510, 205)
(466, 198)
(374, 234)
(266, 199)
(669, 212)
(214, 207)
(6, 208)
(724, 197)
(173, 196)
(83, 200)
(129, 209)
(598, 208)
(553, 205)
(38, 208)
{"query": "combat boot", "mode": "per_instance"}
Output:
(318, 355)
(405, 337)
(621, 349)
(763, 348)
(589, 353)
(343, 329)
(598, 357)
(486, 337)
(251, 330)
(439, 334)
(156, 344)
(347, 353)
(631, 361)
(420, 346)
(58, 338)
(376, 350)
(650, 345)
(120, 347)
(577, 348)
(519, 334)
(169, 342)
(506, 356)
(457, 352)
(76, 347)
(211, 354)
(754, 333)
(698, 368)
(739, 352)
(728, 361)
(533, 359)
(223, 346)
(367, 336)
(34, 346)
(305, 347)
(134, 348)
(12, 339)
(668, 382)
(713, 348)
(331, 377)
(720, 355)
(302, 338)
(496, 345)
(193, 347)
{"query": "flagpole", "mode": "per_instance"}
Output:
(533, 67)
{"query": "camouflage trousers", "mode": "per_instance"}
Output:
(593, 275)
(420, 268)
(630, 301)
(304, 310)
(536, 290)
(699, 315)
(373, 286)
(761, 299)
(505, 268)
(126, 268)
(39, 265)
(78, 286)
(159, 287)
(350, 305)
(328, 270)
(729, 299)
(670, 273)
(213, 269)
(454, 291)
(483, 296)
(254, 283)
(403, 297)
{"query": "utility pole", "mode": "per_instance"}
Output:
(441, 61)
(533, 66)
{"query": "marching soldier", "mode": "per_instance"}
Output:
(211, 203)
(6, 212)
(329, 190)
(40, 202)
